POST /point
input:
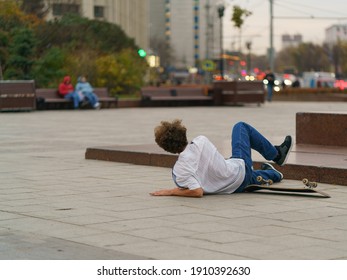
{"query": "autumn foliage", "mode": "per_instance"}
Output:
(45, 51)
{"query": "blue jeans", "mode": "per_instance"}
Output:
(270, 89)
(244, 138)
(91, 97)
(74, 97)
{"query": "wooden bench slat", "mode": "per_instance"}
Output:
(239, 92)
(172, 95)
(173, 98)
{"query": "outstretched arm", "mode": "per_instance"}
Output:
(179, 192)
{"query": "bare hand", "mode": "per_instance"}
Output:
(162, 193)
(179, 192)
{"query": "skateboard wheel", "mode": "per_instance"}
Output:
(305, 181)
(314, 184)
(259, 178)
(270, 182)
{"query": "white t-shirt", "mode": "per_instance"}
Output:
(201, 165)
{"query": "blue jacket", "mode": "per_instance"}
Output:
(83, 87)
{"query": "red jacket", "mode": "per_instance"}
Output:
(65, 87)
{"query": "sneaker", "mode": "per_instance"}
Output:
(84, 103)
(284, 150)
(97, 106)
(268, 166)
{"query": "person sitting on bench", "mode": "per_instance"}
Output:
(66, 90)
(86, 89)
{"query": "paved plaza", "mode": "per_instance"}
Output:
(55, 204)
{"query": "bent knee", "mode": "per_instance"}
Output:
(239, 125)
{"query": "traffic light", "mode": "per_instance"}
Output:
(142, 53)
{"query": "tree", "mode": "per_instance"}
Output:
(305, 57)
(82, 63)
(238, 18)
(285, 58)
(46, 51)
(21, 54)
(121, 73)
(343, 62)
(49, 68)
(75, 33)
(239, 15)
(309, 56)
(3, 51)
(11, 16)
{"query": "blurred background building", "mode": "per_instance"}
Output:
(336, 33)
(291, 40)
(184, 32)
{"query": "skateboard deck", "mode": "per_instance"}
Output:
(267, 185)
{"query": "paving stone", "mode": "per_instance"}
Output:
(54, 204)
(21, 246)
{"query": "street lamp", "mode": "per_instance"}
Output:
(249, 46)
(221, 9)
(271, 49)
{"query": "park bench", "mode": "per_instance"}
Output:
(176, 96)
(48, 98)
(239, 92)
(105, 99)
(17, 96)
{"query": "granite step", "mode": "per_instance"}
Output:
(325, 164)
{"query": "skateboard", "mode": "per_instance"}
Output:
(308, 187)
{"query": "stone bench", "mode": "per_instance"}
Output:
(322, 128)
(176, 96)
(239, 92)
(17, 96)
(320, 152)
(321, 164)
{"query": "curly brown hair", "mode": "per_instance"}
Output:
(171, 136)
